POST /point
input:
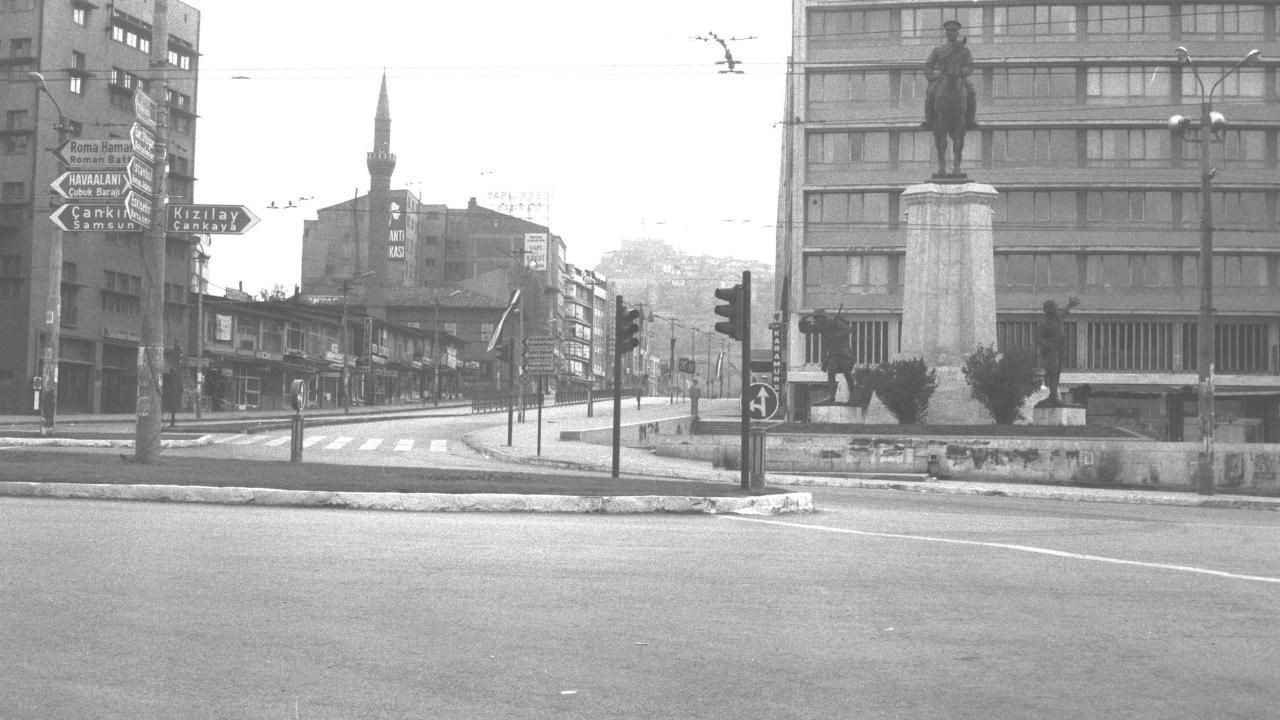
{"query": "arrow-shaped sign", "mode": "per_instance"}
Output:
(83, 217)
(91, 184)
(94, 152)
(210, 219)
(139, 207)
(141, 176)
(144, 142)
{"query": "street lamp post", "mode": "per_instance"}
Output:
(201, 258)
(53, 297)
(1211, 123)
(345, 391)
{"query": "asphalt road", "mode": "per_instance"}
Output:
(885, 605)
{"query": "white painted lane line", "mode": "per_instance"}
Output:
(249, 440)
(338, 443)
(228, 438)
(1018, 548)
(371, 444)
(308, 442)
(404, 444)
(278, 441)
(439, 446)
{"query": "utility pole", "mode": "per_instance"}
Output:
(200, 258)
(150, 414)
(49, 351)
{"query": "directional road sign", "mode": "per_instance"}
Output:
(144, 142)
(762, 401)
(91, 184)
(210, 219)
(94, 152)
(139, 207)
(540, 355)
(84, 217)
(144, 108)
(142, 177)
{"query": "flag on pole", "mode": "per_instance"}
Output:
(497, 331)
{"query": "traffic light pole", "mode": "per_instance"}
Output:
(744, 318)
(511, 387)
(617, 386)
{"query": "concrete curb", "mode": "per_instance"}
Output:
(98, 443)
(419, 502)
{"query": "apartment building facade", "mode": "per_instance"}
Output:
(1097, 199)
(93, 57)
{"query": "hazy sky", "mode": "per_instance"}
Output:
(613, 109)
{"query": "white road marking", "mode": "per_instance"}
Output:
(338, 443)
(228, 438)
(404, 444)
(249, 440)
(371, 444)
(308, 442)
(278, 441)
(439, 446)
(1019, 548)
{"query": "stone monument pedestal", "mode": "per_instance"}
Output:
(1058, 415)
(949, 296)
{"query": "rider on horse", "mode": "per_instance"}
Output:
(954, 56)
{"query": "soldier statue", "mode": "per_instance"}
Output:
(1051, 341)
(951, 57)
(837, 355)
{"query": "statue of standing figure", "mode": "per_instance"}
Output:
(1051, 341)
(950, 102)
(837, 354)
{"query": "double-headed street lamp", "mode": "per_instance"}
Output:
(345, 390)
(1211, 124)
(48, 390)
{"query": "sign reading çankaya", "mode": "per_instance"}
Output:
(210, 219)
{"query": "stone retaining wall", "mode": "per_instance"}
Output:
(1255, 467)
(636, 435)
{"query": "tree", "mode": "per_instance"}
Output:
(1002, 381)
(275, 294)
(905, 387)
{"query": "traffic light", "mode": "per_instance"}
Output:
(628, 331)
(504, 352)
(733, 311)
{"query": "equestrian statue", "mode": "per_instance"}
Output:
(950, 102)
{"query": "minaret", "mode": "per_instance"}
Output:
(381, 164)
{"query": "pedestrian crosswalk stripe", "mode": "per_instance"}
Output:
(339, 443)
(278, 441)
(439, 446)
(371, 444)
(404, 444)
(312, 440)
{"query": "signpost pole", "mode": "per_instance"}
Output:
(541, 392)
(47, 397)
(146, 446)
(745, 396)
(617, 389)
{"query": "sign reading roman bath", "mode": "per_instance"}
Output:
(210, 219)
(94, 152)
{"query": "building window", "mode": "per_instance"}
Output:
(851, 26)
(20, 48)
(1116, 85)
(1247, 82)
(10, 276)
(868, 274)
(13, 192)
(843, 149)
(1122, 22)
(16, 144)
(1026, 208)
(924, 25)
(857, 86)
(1222, 22)
(17, 5)
(1241, 148)
(1033, 148)
(1127, 148)
(80, 16)
(1035, 23)
(122, 294)
(1109, 207)
(76, 80)
(1053, 85)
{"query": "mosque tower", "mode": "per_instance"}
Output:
(382, 163)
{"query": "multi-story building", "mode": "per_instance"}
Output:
(92, 57)
(1097, 198)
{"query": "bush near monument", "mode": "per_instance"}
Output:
(905, 387)
(1002, 381)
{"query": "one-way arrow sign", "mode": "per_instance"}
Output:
(210, 219)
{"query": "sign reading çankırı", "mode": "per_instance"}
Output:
(83, 217)
(210, 219)
(94, 152)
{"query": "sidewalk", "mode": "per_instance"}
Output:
(575, 455)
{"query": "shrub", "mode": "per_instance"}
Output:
(1002, 381)
(905, 387)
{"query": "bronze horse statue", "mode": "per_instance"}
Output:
(951, 109)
